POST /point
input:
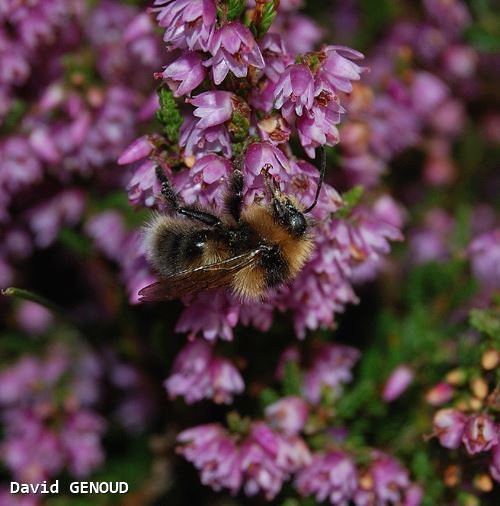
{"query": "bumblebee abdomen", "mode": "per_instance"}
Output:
(174, 245)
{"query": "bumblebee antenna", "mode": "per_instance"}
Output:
(322, 169)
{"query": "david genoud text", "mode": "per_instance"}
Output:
(75, 487)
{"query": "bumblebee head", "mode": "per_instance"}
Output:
(288, 216)
(285, 211)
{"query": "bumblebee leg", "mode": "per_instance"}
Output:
(234, 197)
(171, 197)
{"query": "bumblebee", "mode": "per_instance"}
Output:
(247, 249)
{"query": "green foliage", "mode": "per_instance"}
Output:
(240, 124)
(168, 115)
(351, 199)
(304, 501)
(73, 240)
(235, 9)
(269, 12)
(13, 117)
(484, 33)
(292, 379)
(268, 396)
(237, 423)
(486, 321)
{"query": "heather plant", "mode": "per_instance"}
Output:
(372, 378)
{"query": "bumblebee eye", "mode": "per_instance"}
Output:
(289, 217)
(297, 224)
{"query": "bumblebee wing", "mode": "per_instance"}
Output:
(189, 281)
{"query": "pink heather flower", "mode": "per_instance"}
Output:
(484, 252)
(449, 427)
(139, 149)
(262, 96)
(388, 118)
(275, 56)
(290, 354)
(211, 314)
(258, 461)
(34, 447)
(20, 166)
(141, 40)
(64, 209)
(452, 15)
(331, 367)
(430, 241)
(185, 73)
(81, 441)
(385, 482)
(294, 91)
(293, 453)
(291, 5)
(258, 315)
(17, 243)
(234, 49)
(338, 70)
(212, 107)
(274, 129)
(135, 270)
(480, 434)
(30, 451)
(288, 415)
(495, 463)
(318, 130)
(8, 499)
(189, 375)
(198, 142)
(19, 380)
(303, 182)
(261, 154)
(397, 383)
(331, 476)
(414, 496)
(43, 145)
(225, 380)
(187, 23)
(449, 117)
(428, 92)
(33, 318)
(210, 449)
(198, 375)
(144, 186)
(300, 33)
(439, 394)
(460, 61)
(205, 182)
(108, 231)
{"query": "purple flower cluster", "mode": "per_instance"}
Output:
(198, 374)
(484, 254)
(432, 240)
(468, 416)
(27, 29)
(333, 476)
(260, 456)
(420, 72)
(48, 419)
(264, 459)
(65, 124)
(260, 462)
(477, 432)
